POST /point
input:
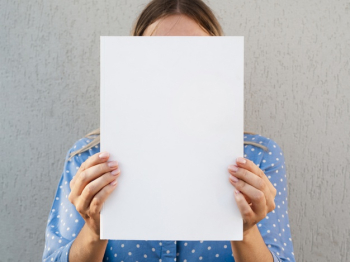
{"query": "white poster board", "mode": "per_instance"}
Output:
(172, 116)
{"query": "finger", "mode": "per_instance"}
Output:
(91, 174)
(248, 177)
(100, 198)
(94, 187)
(256, 196)
(93, 160)
(252, 167)
(253, 180)
(245, 209)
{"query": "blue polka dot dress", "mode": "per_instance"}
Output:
(64, 222)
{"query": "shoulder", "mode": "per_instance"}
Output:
(81, 147)
(256, 138)
(272, 156)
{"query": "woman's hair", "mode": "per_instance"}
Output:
(156, 9)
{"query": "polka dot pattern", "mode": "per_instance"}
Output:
(65, 223)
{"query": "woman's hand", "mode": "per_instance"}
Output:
(254, 192)
(93, 183)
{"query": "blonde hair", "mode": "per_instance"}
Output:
(156, 9)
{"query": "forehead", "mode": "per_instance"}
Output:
(175, 25)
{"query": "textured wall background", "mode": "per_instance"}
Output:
(297, 77)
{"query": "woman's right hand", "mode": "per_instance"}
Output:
(93, 183)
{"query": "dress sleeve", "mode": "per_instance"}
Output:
(275, 228)
(64, 222)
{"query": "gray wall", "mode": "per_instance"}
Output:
(297, 80)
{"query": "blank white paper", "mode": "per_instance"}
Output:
(172, 116)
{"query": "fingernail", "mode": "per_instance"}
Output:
(115, 172)
(112, 163)
(233, 178)
(237, 192)
(233, 168)
(113, 183)
(241, 160)
(103, 155)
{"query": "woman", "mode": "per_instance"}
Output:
(88, 178)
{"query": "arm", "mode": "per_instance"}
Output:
(252, 248)
(73, 226)
(63, 215)
(87, 246)
(266, 228)
(275, 228)
(94, 182)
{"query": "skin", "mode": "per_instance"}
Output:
(97, 178)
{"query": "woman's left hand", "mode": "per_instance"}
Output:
(254, 192)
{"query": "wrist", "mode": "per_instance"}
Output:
(249, 236)
(91, 235)
(250, 233)
(251, 248)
